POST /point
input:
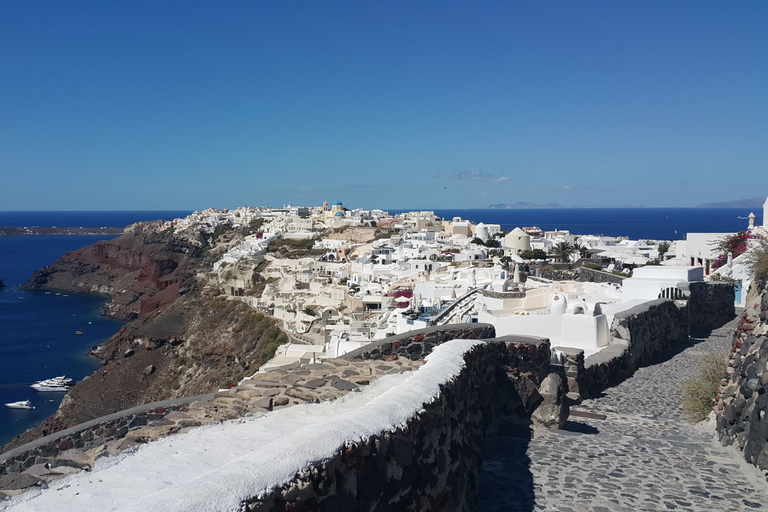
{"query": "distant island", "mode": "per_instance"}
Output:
(752, 202)
(42, 230)
(523, 206)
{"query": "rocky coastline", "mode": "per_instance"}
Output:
(182, 338)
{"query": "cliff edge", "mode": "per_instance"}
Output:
(182, 339)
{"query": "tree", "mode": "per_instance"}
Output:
(583, 250)
(663, 249)
(563, 251)
(535, 254)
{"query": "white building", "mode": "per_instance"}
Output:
(656, 281)
(517, 241)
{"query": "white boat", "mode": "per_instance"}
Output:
(61, 383)
(23, 404)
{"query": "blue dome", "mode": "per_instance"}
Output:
(337, 203)
(338, 214)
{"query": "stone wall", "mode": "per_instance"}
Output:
(417, 344)
(637, 335)
(502, 295)
(712, 305)
(596, 276)
(581, 274)
(742, 403)
(430, 463)
(559, 274)
(58, 448)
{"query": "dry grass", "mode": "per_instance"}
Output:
(699, 392)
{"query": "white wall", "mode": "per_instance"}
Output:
(701, 245)
(589, 333)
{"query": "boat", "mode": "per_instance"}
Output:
(79, 333)
(61, 383)
(23, 404)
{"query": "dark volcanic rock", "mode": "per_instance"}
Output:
(132, 268)
(183, 341)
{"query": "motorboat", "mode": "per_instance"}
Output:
(61, 383)
(79, 333)
(23, 404)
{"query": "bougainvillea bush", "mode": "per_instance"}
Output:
(736, 244)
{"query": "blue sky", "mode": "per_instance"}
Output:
(185, 105)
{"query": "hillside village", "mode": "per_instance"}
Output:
(395, 324)
(338, 279)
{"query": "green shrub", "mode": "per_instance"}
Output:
(593, 266)
(758, 260)
(699, 391)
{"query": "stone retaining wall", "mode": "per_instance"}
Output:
(502, 295)
(637, 335)
(559, 274)
(430, 463)
(416, 344)
(712, 305)
(99, 434)
(581, 274)
(596, 276)
(640, 333)
(742, 403)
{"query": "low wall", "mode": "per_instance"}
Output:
(637, 335)
(412, 442)
(92, 434)
(581, 274)
(742, 403)
(430, 462)
(712, 305)
(597, 276)
(417, 344)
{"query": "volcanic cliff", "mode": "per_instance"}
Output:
(183, 338)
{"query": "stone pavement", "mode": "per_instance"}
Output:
(644, 456)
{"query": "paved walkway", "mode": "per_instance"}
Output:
(644, 456)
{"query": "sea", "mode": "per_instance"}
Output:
(37, 327)
(636, 223)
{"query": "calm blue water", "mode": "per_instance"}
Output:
(69, 219)
(37, 330)
(636, 223)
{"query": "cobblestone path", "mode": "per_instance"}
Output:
(644, 456)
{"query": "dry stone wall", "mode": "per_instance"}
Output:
(416, 344)
(742, 403)
(582, 274)
(712, 305)
(597, 276)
